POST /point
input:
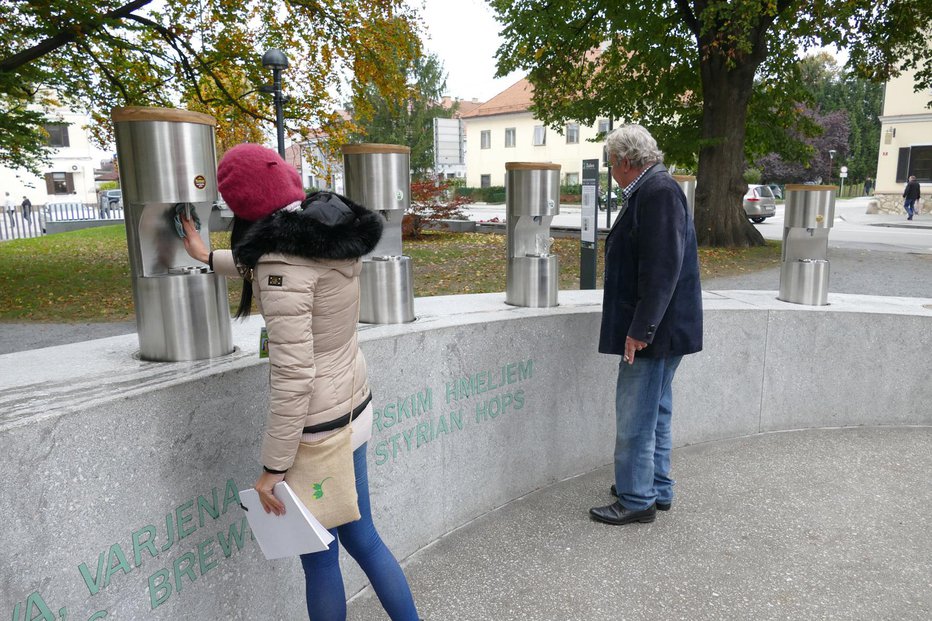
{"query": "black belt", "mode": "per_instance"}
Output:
(336, 423)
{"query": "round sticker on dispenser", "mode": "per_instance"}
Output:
(820, 219)
(200, 182)
(399, 195)
(549, 203)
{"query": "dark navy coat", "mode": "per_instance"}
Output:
(652, 290)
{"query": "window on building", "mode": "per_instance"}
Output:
(510, 137)
(58, 135)
(572, 133)
(486, 139)
(915, 161)
(59, 183)
(572, 179)
(485, 181)
(540, 135)
(603, 126)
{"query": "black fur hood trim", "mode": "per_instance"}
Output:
(298, 233)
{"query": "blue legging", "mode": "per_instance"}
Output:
(326, 599)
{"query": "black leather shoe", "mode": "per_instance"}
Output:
(661, 506)
(618, 515)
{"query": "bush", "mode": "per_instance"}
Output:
(492, 194)
(431, 201)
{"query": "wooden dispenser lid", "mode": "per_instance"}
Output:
(817, 188)
(173, 115)
(531, 166)
(358, 149)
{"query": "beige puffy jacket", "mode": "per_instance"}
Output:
(310, 305)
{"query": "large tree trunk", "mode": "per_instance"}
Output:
(720, 184)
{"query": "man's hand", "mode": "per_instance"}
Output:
(631, 346)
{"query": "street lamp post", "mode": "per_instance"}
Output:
(277, 60)
(831, 161)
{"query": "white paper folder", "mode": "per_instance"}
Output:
(280, 536)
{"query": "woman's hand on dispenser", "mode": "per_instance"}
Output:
(193, 243)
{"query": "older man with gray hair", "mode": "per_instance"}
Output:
(651, 316)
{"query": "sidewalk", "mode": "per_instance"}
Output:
(821, 524)
(854, 211)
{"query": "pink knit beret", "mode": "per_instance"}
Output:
(255, 181)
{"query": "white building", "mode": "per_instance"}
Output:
(69, 178)
(504, 130)
(905, 143)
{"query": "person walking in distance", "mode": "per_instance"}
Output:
(27, 210)
(651, 316)
(911, 196)
(10, 209)
(301, 256)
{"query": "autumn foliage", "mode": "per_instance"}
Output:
(95, 55)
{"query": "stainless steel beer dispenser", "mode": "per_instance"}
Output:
(168, 163)
(378, 177)
(532, 199)
(687, 183)
(804, 270)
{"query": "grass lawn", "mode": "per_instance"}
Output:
(84, 276)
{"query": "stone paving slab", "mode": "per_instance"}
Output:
(819, 524)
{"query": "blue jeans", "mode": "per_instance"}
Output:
(326, 599)
(910, 206)
(643, 410)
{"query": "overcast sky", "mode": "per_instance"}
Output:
(464, 35)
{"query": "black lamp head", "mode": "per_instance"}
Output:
(275, 59)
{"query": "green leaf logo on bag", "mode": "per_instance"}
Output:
(319, 489)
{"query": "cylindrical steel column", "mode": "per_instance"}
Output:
(532, 199)
(688, 184)
(378, 176)
(804, 270)
(167, 159)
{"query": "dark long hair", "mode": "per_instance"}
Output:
(240, 228)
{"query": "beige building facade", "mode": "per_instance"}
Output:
(905, 144)
(503, 130)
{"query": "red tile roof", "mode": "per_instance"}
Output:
(515, 98)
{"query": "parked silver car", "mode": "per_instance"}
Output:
(759, 203)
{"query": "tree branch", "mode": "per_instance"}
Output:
(105, 70)
(174, 41)
(67, 35)
(686, 13)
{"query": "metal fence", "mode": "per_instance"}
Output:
(19, 224)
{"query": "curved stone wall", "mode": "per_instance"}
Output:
(120, 476)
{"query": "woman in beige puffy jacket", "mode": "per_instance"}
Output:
(300, 257)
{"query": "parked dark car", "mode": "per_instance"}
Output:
(603, 200)
(109, 200)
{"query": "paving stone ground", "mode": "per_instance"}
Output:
(823, 524)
